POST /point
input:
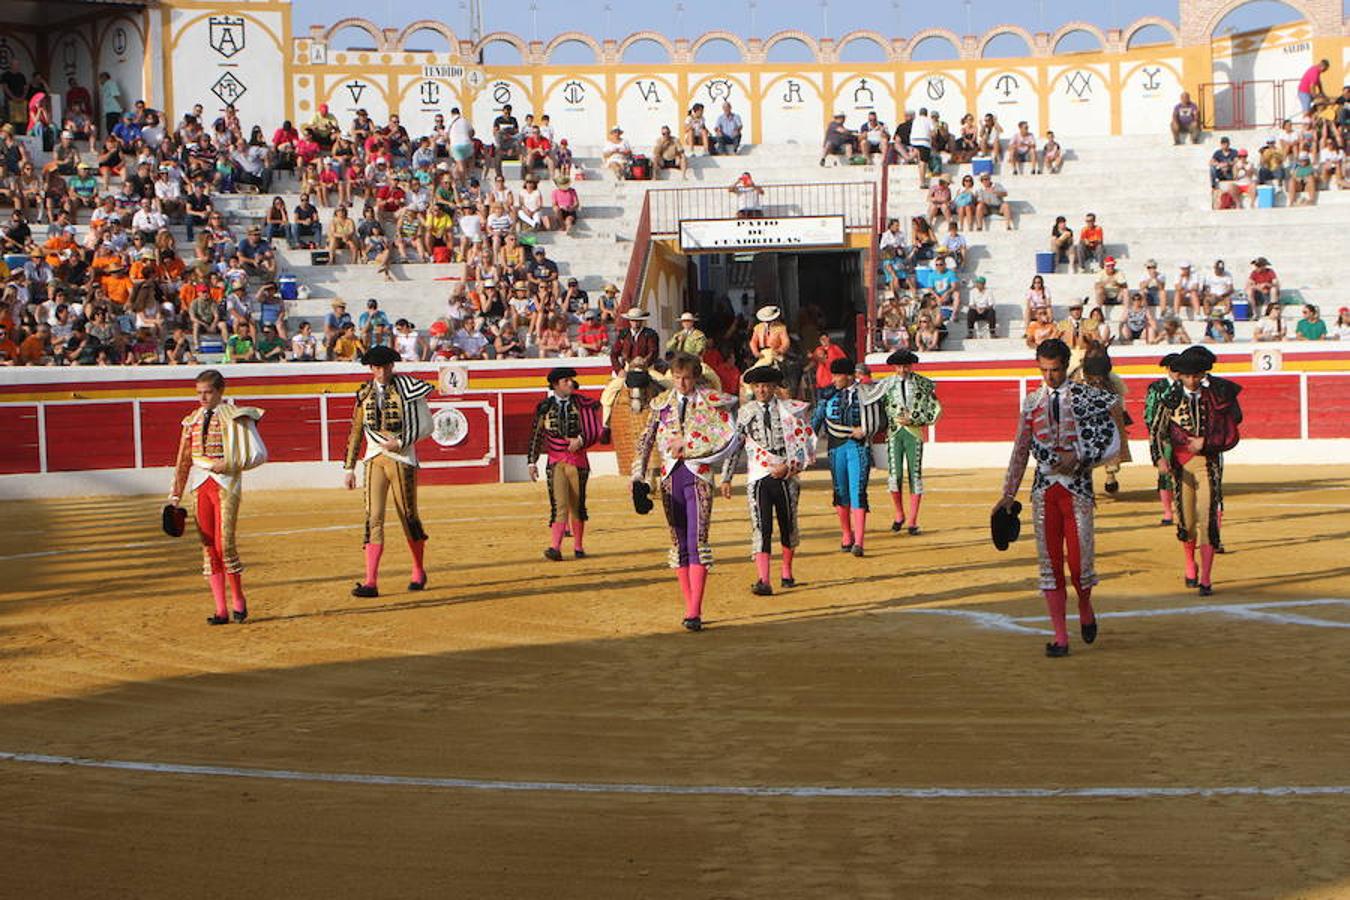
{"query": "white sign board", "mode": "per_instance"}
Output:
(453, 380)
(449, 73)
(1271, 360)
(793, 232)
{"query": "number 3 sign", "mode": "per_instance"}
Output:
(1267, 360)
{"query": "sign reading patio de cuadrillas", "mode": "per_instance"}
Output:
(784, 233)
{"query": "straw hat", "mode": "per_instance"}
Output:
(768, 313)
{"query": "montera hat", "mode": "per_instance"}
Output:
(379, 356)
(173, 520)
(561, 372)
(642, 500)
(902, 358)
(1166, 361)
(842, 366)
(1004, 525)
(763, 375)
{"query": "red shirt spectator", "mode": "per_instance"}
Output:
(285, 135)
(391, 197)
(307, 149)
(826, 353)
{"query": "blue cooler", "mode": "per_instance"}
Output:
(287, 287)
(1242, 310)
(16, 261)
(1265, 196)
(1045, 263)
(923, 277)
(982, 165)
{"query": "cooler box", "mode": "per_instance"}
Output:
(16, 261)
(1242, 310)
(923, 277)
(1265, 196)
(287, 287)
(1045, 263)
(210, 346)
(982, 165)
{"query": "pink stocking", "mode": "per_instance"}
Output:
(1188, 550)
(845, 532)
(786, 570)
(698, 577)
(578, 531)
(217, 581)
(558, 528)
(419, 574)
(914, 501)
(1206, 563)
(1166, 503)
(373, 554)
(683, 574)
(762, 566)
(859, 526)
(237, 592)
(1056, 601)
(898, 499)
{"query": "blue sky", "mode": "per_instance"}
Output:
(898, 17)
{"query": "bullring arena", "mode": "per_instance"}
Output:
(529, 723)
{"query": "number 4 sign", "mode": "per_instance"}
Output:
(454, 380)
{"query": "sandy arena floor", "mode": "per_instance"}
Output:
(513, 669)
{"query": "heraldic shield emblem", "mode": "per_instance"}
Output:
(227, 35)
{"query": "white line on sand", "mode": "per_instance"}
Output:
(585, 787)
(1252, 612)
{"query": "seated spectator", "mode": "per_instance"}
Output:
(1189, 291)
(532, 213)
(727, 132)
(1221, 163)
(1041, 328)
(271, 308)
(538, 151)
(240, 347)
(1091, 246)
(1302, 180)
(408, 234)
(1172, 332)
(1112, 287)
(1038, 296)
(956, 247)
(923, 243)
(617, 154)
(1062, 243)
(553, 340)
(1185, 120)
(1331, 168)
(839, 141)
(991, 198)
(1271, 168)
(1243, 185)
(304, 345)
(946, 286)
(1341, 332)
(695, 132)
(204, 315)
(506, 136)
(507, 344)
(1310, 327)
(256, 254)
(991, 137)
(1022, 150)
(940, 199)
(981, 309)
(927, 337)
(1052, 155)
(1080, 332)
(1270, 327)
(348, 347)
(592, 336)
(1263, 285)
(1218, 286)
(1218, 325)
(873, 138)
(1136, 321)
(566, 203)
(1153, 285)
(305, 229)
(609, 304)
(377, 251)
(271, 346)
(469, 341)
(669, 153)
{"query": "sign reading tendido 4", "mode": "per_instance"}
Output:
(763, 234)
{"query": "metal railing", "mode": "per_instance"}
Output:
(854, 200)
(637, 260)
(1226, 105)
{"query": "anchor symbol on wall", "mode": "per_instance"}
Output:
(573, 92)
(1006, 84)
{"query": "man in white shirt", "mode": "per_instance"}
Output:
(617, 153)
(981, 308)
(727, 132)
(921, 140)
(469, 340)
(1022, 149)
(1218, 286)
(148, 221)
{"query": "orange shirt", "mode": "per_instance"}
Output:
(144, 270)
(118, 288)
(1091, 234)
(32, 350)
(8, 350)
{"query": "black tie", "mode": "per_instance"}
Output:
(1195, 409)
(768, 426)
(904, 391)
(684, 402)
(206, 425)
(562, 417)
(1054, 407)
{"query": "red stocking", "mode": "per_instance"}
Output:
(1086, 614)
(578, 531)
(683, 574)
(1188, 551)
(217, 581)
(1206, 563)
(558, 528)
(1056, 601)
(762, 566)
(914, 501)
(845, 531)
(237, 592)
(788, 553)
(859, 526)
(698, 577)
(419, 573)
(1166, 504)
(898, 499)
